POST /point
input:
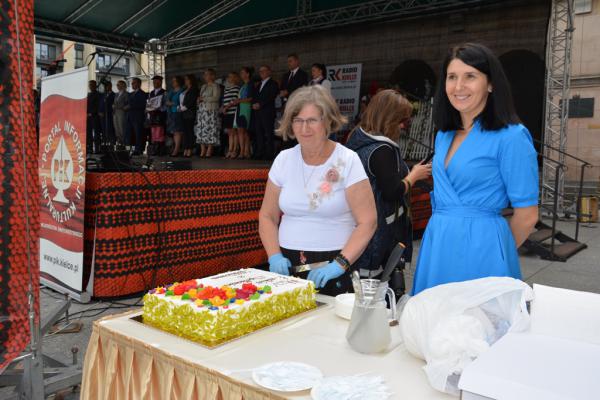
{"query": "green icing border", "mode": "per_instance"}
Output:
(213, 328)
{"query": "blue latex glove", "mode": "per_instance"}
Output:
(323, 275)
(279, 264)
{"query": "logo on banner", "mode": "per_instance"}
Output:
(343, 74)
(63, 155)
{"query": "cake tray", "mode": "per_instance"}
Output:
(214, 345)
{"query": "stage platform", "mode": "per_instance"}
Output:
(153, 226)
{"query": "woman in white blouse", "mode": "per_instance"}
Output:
(323, 192)
(319, 76)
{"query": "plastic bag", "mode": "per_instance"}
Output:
(449, 325)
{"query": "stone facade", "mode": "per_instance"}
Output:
(583, 136)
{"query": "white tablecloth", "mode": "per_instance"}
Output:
(316, 338)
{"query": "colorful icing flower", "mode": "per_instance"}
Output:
(239, 302)
(193, 293)
(266, 288)
(242, 294)
(206, 302)
(206, 293)
(179, 290)
(185, 296)
(169, 293)
(199, 303)
(325, 187)
(217, 301)
(230, 294)
(332, 175)
(152, 291)
(248, 287)
(255, 296)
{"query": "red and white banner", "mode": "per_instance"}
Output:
(62, 180)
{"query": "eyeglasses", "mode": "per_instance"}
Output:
(311, 122)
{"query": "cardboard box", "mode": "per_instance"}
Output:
(558, 359)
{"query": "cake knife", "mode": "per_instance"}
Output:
(308, 267)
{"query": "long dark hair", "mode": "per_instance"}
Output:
(193, 80)
(499, 109)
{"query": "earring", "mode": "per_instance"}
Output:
(489, 90)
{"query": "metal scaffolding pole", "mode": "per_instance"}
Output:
(155, 49)
(558, 68)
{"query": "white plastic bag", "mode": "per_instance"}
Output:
(449, 325)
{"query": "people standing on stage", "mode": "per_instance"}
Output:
(106, 115)
(319, 76)
(230, 95)
(318, 204)
(295, 78)
(174, 116)
(93, 123)
(243, 113)
(484, 161)
(375, 141)
(136, 115)
(188, 106)
(263, 103)
(119, 114)
(157, 115)
(207, 123)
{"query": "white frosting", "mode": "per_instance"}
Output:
(235, 279)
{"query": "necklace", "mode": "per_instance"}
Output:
(304, 180)
(313, 198)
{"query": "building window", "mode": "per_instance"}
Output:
(45, 52)
(123, 66)
(581, 107)
(78, 55)
(582, 6)
(103, 61)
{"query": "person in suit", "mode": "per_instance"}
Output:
(188, 106)
(295, 78)
(136, 114)
(106, 114)
(119, 113)
(264, 107)
(158, 115)
(93, 126)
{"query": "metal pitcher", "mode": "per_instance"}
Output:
(369, 330)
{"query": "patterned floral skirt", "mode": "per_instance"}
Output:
(207, 127)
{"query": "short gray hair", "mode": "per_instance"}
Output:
(321, 98)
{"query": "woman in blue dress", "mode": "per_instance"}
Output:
(484, 160)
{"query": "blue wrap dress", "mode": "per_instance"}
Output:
(466, 237)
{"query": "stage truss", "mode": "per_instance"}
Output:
(558, 75)
(306, 21)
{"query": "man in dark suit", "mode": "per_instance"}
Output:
(93, 126)
(106, 115)
(295, 78)
(136, 114)
(263, 105)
